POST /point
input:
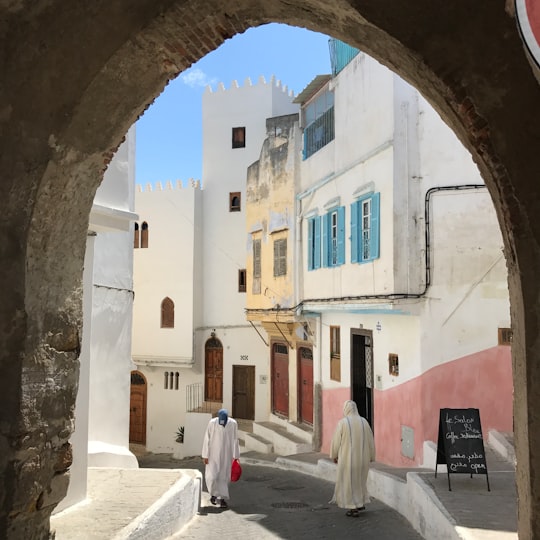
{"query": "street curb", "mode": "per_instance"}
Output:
(172, 511)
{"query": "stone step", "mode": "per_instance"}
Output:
(258, 444)
(284, 442)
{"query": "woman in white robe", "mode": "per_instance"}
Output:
(220, 447)
(352, 448)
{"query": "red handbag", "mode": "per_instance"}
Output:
(236, 471)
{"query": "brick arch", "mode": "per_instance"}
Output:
(77, 75)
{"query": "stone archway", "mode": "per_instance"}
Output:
(76, 75)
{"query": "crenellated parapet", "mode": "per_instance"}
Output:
(169, 186)
(276, 83)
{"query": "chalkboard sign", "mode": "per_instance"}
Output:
(460, 444)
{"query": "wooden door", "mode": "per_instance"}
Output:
(280, 379)
(244, 392)
(213, 369)
(137, 409)
(305, 384)
(362, 373)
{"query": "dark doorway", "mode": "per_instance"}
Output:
(244, 392)
(362, 372)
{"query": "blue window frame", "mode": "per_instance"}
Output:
(314, 243)
(365, 228)
(333, 237)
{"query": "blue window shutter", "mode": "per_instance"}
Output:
(354, 231)
(304, 150)
(341, 235)
(325, 221)
(311, 239)
(317, 252)
(375, 223)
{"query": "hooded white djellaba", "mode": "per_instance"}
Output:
(354, 448)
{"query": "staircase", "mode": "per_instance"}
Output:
(278, 436)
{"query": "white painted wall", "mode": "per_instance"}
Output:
(224, 239)
(167, 268)
(224, 171)
(102, 405)
(390, 140)
(112, 302)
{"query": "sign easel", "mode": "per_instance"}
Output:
(460, 444)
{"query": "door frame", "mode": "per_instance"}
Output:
(272, 364)
(300, 385)
(251, 375)
(138, 373)
(212, 343)
(364, 403)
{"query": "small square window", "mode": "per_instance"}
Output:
(242, 280)
(505, 336)
(239, 137)
(235, 201)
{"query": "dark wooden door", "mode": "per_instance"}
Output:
(244, 392)
(305, 384)
(137, 409)
(362, 373)
(280, 379)
(213, 387)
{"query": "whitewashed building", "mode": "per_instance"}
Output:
(192, 345)
(398, 275)
(101, 435)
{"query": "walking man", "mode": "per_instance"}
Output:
(220, 447)
(352, 448)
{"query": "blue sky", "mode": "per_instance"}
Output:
(169, 133)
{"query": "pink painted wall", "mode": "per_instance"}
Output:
(332, 412)
(482, 380)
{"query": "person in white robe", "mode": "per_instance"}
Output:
(352, 448)
(220, 447)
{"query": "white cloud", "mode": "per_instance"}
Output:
(196, 77)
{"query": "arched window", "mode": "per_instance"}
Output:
(136, 236)
(171, 381)
(144, 235)
(176, 380)
(166, 382)
(167, 313)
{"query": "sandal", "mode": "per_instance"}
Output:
(213, 499)
(223, 504)
(352, 513)
(361, 508)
